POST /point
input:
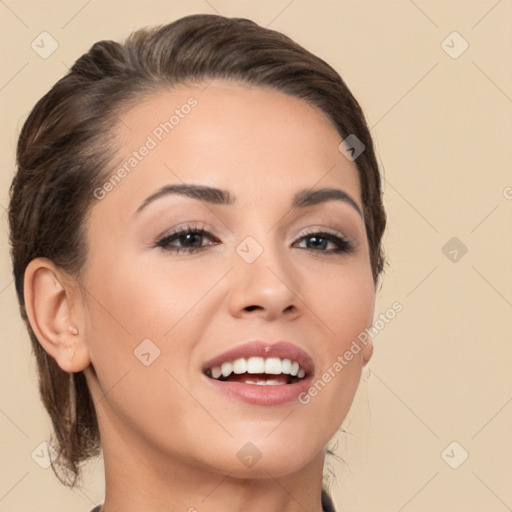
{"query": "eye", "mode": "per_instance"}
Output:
(319, 240)
(191, 239)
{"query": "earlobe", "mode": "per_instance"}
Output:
(54, 313)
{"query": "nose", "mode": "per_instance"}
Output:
(267, 288)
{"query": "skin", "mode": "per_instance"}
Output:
(170, 441)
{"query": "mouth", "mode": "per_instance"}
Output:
(261, 373)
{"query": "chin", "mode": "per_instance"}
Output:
(261, 457)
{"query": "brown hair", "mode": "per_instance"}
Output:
(65, 149)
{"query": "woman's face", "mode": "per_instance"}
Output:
(163, 310)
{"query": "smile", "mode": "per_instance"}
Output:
(260, 373)
(270, 371)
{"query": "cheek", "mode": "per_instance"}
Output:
(346, 309)
(145, 300)
(345, 303)
(154, 309)
(140, 331)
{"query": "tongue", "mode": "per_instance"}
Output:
(242, 377)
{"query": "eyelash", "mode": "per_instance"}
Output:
(344, 246)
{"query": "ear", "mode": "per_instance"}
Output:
(55, 312)
(368, 349)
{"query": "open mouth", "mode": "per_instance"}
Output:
(259, 371)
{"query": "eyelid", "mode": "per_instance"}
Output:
(332, 231)
(187, 225)
(203, 226)
(317, 229)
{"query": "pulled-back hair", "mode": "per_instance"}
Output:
(65, 150)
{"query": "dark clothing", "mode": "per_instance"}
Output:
(327, 505)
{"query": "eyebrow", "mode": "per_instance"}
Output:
(218, 196)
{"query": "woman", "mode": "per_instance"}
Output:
(196, 224)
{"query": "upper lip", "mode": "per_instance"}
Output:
(258, 348)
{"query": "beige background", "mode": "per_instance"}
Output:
(441, 370)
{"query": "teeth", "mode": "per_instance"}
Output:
(270, 366)
(255, 365)
(226, 369)
(239, 366)
(273, 366)
(265, 382)
(286, 365)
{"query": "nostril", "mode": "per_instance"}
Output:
(250, 308)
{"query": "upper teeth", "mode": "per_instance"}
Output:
(270, 365)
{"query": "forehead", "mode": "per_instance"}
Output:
(229, 135)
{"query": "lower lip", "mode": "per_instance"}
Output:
(261, 395)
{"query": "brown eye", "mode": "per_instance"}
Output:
(190, 239)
